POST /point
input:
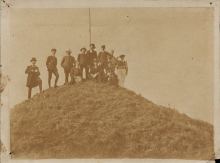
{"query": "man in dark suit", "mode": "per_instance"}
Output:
(83, 62)
(67, 63)
(33, 79)
(103, 59)
(52, 67)
(91, 54)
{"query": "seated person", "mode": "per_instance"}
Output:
(112, 78)
(94, 72)
(75, 74)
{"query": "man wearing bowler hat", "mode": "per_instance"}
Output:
(83, 62)
(67, 63)
(52, 67)
(91, 54)
(33, 79)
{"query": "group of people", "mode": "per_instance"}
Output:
(102, 68)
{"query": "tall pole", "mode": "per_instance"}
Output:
(90, 37)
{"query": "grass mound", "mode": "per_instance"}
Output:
(91, 120)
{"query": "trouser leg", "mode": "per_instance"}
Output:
(29, 92)
(49, 78)
(39, 81)
(84, 71)
(119, 77)
(72, 81)
(40, 84)
(123, 74)
(66, 77)
(99, 77)
(57, 77)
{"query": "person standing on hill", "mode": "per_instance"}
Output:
(112, 60)
(33, 79)
(75, 74)
(83, 62)
(122, 68)
(102, 58)
(67, 63)
(91, 54)
(51, 64)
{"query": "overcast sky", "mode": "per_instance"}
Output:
(169, 51)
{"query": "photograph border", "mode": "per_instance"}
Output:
(5, 50)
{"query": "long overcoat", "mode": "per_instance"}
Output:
(32, 76)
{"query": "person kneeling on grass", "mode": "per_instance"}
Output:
(75, 74)
(94, 72)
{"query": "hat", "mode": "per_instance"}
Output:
(122, 55)
(93, 45)
(82, 49)
(33, 59)
(54, 50)
(69, 51)
(103, 46)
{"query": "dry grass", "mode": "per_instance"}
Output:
(92, 120)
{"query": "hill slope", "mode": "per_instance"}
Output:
(91, 120)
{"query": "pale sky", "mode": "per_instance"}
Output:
(169, 51)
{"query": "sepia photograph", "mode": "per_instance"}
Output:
(110, 83)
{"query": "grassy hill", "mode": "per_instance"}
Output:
(91, 120)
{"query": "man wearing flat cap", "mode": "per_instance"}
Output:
(67, 63)
(33, 79)
(83, 62)
(51, 64)
(91, 54)
(122, 68)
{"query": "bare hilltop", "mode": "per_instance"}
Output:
(91, 120)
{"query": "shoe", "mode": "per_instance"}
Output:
(55, 86)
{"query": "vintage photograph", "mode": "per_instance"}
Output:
(112, 83)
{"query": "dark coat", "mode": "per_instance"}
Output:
(83, 59)
(75, 72)
(67, 63)
(51, 63)
(94, 70)
(102, 57)
(32, 76)
(91, 56)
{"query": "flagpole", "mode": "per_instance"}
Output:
(90, 37)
